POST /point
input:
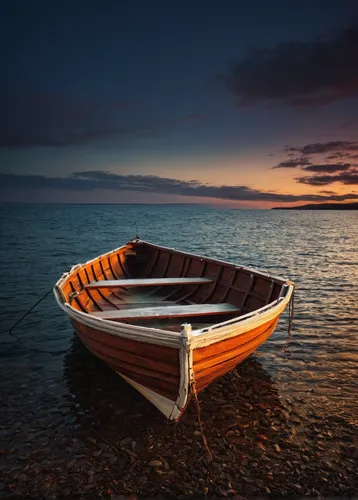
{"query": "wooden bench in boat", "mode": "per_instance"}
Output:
(149, 282)
(168, 312)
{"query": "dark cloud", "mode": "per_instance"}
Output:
(93, 180)
(295, 162)
(324, 147)
(316, 180)
(339, 155)
(298, 73)
(328, 167)
(195, 116)
(340, 150)
(32, 118)
(348, 178)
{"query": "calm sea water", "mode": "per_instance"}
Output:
(318, 250)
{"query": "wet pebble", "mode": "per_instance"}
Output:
(71, 464)
(156, 463)
(126, 441)
(260, 446)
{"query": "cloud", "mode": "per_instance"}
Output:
(31, 118)
(336, 150)
(347, 178)
(328, 167)
(92, 180)
(339, 155)
(295, 162)
(324, 147)
(195, 116)
(298, 73)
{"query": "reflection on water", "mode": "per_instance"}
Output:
(318, 250)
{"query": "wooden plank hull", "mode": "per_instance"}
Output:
(163, 359)
(153, 370)
(215, 360)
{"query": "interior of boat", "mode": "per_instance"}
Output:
(163, 288)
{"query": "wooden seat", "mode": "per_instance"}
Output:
(149, 282)
(167, 312)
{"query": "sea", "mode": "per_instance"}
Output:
(318, 250)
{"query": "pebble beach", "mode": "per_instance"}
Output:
(102, 439)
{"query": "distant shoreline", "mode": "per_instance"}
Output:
(322, 206)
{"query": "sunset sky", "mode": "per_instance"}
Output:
(243, 104)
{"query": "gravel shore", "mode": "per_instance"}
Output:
(99, 438)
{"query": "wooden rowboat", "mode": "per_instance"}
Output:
(170, 322)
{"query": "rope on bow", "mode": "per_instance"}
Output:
(290, 321)
(20, 341)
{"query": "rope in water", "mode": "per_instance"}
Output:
(290, 321)
(10, 330)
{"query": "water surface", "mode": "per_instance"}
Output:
(317, 250)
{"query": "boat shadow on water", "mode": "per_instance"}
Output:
(239, 407)
(96, 390)
(101, 437)
(258, 443)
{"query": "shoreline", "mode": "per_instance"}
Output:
(101, 439)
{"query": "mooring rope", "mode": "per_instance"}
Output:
(10, 330)
(290, 321)
(197, 404)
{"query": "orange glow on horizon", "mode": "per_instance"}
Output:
(257, 174)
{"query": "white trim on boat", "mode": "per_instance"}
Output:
(165, 405)
(185, 368)
(241, 324)
(133, 332)
(217, 333)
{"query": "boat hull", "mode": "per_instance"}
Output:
(152, 369)
(156, 371)
(165, 360)
(213, 361)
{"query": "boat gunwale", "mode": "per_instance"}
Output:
(204, 336)
(282, 299)
(125, 330)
